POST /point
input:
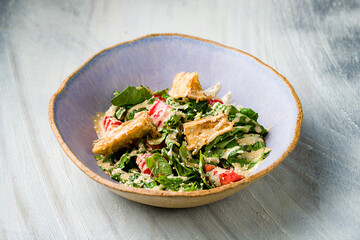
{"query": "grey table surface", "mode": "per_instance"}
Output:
(313, 194)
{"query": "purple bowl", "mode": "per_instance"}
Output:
(153, 61)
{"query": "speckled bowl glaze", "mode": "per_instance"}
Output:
(153, 60)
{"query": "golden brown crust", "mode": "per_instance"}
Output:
(202, 131)
(125, 134)
(187, 85)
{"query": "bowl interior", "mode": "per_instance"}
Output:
(153, 61)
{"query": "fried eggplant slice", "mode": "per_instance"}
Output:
(187, 85)
(125, 134)
(202, 131)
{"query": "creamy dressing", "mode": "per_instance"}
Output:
(105, 165)
(172, 138)
(244, 170)
(214, 178)
(213, 160)
(212, 91)
(111, 111)
(249, 139)
(190, 164)
(198, 116)
(214, 175)
(227, 152)
(245, 128)
(253, 156)
(226, 98)
(257, 129)
(181, 177)
(144, 104)
(145, 178)
(98, 124)
(247, 119)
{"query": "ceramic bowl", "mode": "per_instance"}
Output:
(153, 61)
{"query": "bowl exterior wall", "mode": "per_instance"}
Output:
(180, 201)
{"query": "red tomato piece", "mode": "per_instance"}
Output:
(140, 161)
(111, 123)
(229, 177)
(159, 112)
(220, 176)
(213, 100)
(209, 167)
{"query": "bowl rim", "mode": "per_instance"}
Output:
(159, 193)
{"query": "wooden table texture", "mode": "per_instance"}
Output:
(313, 194)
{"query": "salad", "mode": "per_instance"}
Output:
(185, 139)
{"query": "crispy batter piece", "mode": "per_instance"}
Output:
(202, 131)
(187, 85)
(125, 134)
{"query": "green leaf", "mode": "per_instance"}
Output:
(194, 108)
(161, 92)
(250, 113)
(184, 153)
(156, 141)
(131, 96)
(158, 165)
(202, 170)
(254, 147)
(173, 121)
(131, 114)
(125, 159)
(175, 184)
(120, 113)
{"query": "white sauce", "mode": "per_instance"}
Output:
(245, 128)
(258, 129)
(226, 98)
(213, 160)
(253, 156)
(244, 170)
(98, 124)
(238, 116)
(111, 111)
(214, 175)
(249, 139)
(106, 165)
(144, 104)
(227, 152)
(213, 90)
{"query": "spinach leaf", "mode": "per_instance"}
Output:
(193, 108)
(130, 180)
(250, 113)
(175, 184)
(254, 147)
(181, 169)
(131, 114)
(173, 121)
(156, 141)
(131, 96)
(202, 170)
(125, 159)
(161, 92)
(158, 165)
